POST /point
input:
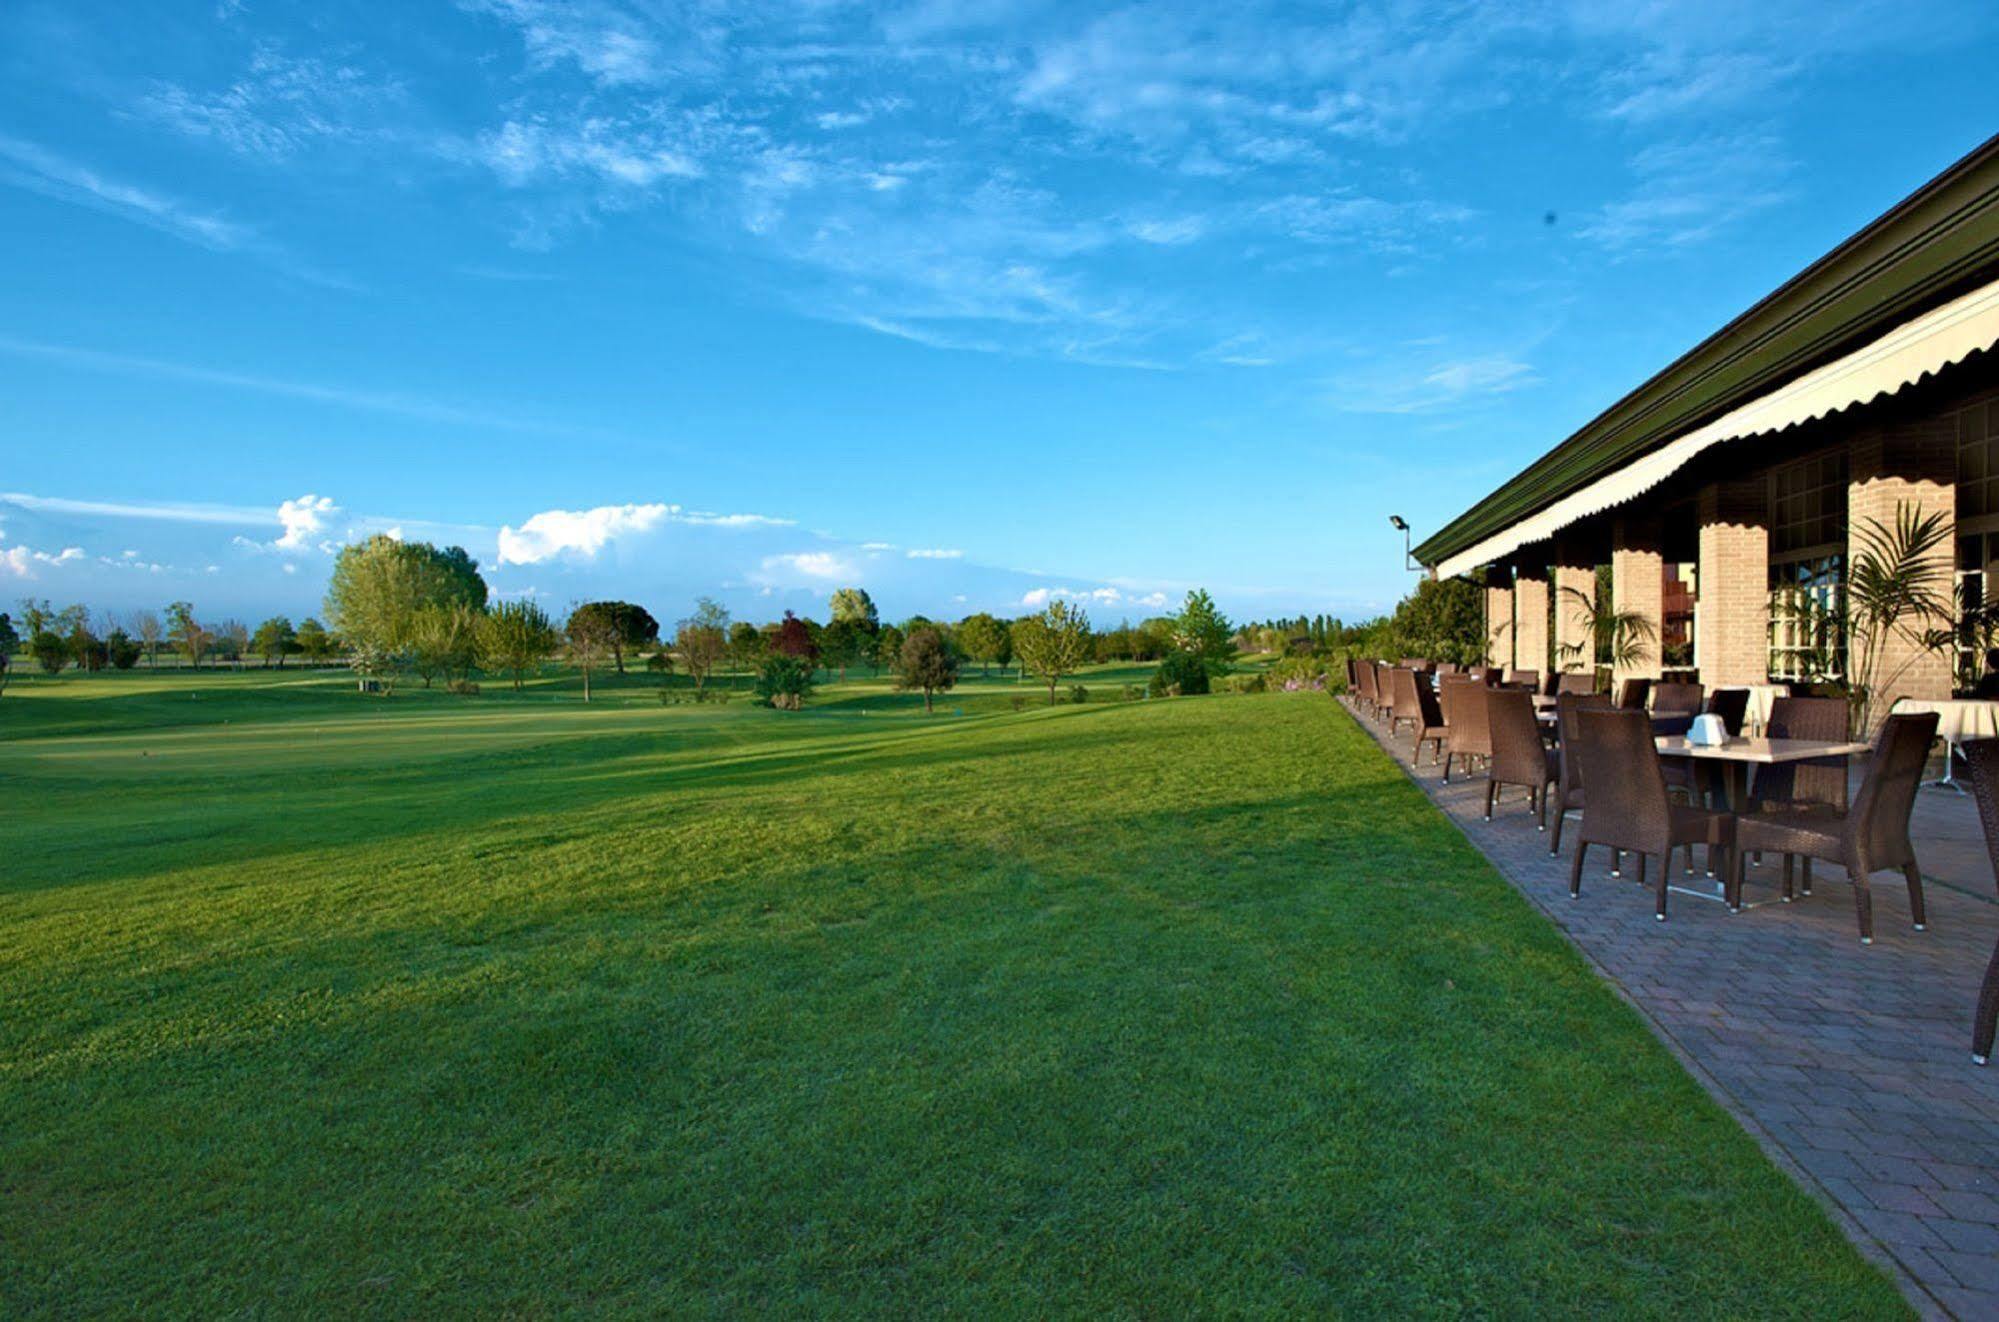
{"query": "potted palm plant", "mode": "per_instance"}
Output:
(1614, 639)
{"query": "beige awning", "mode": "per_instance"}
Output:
(1902, 357)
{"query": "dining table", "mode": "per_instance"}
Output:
(1732, 758)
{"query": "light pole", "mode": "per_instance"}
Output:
(1401, 525)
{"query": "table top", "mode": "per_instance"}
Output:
(1764, 752)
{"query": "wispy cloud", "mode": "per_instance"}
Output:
(1687, 191)
(167, 511)
(934, 553)
(279, 106)
(26, 165)
(1438, 385)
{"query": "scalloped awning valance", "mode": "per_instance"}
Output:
(1902, 357)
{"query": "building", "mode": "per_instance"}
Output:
(1729, 495)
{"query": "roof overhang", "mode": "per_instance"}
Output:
(1938, 247)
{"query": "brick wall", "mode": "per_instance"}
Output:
(1569, 578)
(1498, 623)
(1638, 584)
(1732, 631)
(1906, 463)
(1530, 619)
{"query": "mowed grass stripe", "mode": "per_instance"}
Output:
(1132, 1009)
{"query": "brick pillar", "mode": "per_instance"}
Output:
(1572, 577)
(1915, 464)
(1530, 619)
(1498, 621)
(1638, 584)
(1732, 624)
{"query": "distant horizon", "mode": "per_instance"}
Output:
(973, 307)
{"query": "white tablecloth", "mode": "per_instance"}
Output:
(1761, 696)
(1958, 719)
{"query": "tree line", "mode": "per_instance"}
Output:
(400, 609)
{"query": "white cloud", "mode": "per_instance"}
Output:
(304, 520)
(935, 553)
(1169, 233)
(877, 546)
(575, 532)
(22, 562)
(169, 511)
(1432, 387)
(812, 564)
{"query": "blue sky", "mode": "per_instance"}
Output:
(969, 304)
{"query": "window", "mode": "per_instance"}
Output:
(1977, 537)
(1808, 569)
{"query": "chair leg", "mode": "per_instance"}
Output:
(1863, 902)
(1983, 1022)
(1616, 862)
(1665, 873)
(1689, 850)
(1576, 875)
(1447, 767)
(1555, 844)
(1915, 878)
(1731, 871)
(1789, 870)
(1491, 789)
(1664, 863)
(1805, 874)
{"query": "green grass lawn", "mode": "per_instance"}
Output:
(317, 1002)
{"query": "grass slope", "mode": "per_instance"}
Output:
(323, 1003)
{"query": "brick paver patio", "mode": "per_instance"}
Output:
(1851, 1064)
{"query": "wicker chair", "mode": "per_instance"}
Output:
(1518, 755)
(1529, 680)
(1569, 786)
(1981, 758)
(1677, 699)
(1625, 805)
(1353, 683)
(1815, 786)
(1471, 736)
(1403, 705)
(1367, 688)
(1572, 681)
(1432, 729)
(1873, 835)
(1732, 705)
(1632, 693)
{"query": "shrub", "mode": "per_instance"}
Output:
(783, 682)
(463, 688)
(50, 650)
(1246, 684)
(1019, 703)
(1295, 674)
(1178, 673)
(1131, 693)
(1078, 694)
(123, 650)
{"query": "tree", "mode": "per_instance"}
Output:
(592, 635)
(88, 651)
(794, 638)
(187, 633)
(1202, 630)
(927, 662)
(623, 625)
(232, 639)
(314, 643)
(888, 648)
(746, 645)
(379, 585)
(985, 640)
(10, 642)
(703, 640)
(122, 649)
(840, 645)
(146, 625)
(856, 607)
(1621, 639)
(443, 639)
(1054, 643)
(51, 649)
(275, 640)
(516, 636)
(783, 682)
(35, 615)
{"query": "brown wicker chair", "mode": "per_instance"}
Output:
(1569, 785)
(1518, 755)
(1571, 681)
(1530, 680)
(1367, 690)
(1625, 805)
(1874, 834)
(1433, 729)
(1677, 699)
(1732, 705)
(1815, 786)
(1981, 757)
(1632, 693)
(1402, 701)
(1471, 736)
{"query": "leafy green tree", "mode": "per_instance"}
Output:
(985, 640)
(840, 646)
(516, 636)
(35, 615)
(783, 681)
(51, 650)
(275, 640)
(379, 585)
(625, 626)
(146, 625)
(314, 642)
(10, 643)
(888, 648)
(122, 649)
(703, 640)
(928, 662)
(591, 635)
(1202, 630)
(746, 645)
(187, 633)
(1054, 643)
(232, 639)
(444, 639)
(856, 607)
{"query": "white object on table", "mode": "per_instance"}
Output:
(1707, 731)
(1958, 720)
(1761, 698)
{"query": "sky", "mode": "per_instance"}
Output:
(973, 305)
